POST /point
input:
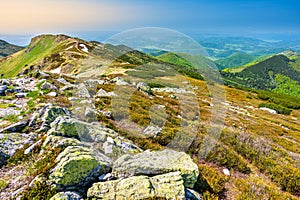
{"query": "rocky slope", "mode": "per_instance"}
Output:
(62, 139)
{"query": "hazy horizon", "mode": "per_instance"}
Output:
(20, 20)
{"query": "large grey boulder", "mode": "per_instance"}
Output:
(166, 186)
(155, 163)
(78, 166)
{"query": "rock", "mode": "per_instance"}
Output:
(78, 166)
(67, 87)
(192, 195)
(10, 143)
(2, 89)
(106, 177)
(101, 138)
(49, 113)
(226, 172)
(152, 131)
(157, 162)
(144, 87)
(52, 94)
(21, 95)
(60, 142)
(103, 93)
(90, 114)
(67, 196)
(119, 81)
(17, 127)
(48, 86)
(268, 110)
(4, 112)
(82, 91)
(32, 147)
(166, 186)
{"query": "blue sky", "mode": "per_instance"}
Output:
(238, 17)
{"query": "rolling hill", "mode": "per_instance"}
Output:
(8, 49)
(276, 73)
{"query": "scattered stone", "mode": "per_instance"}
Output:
(17, 127)
(82, 91)
(119, 81)
(152, 131)
(226, 172)
(48, 86)
(103, 93)
(32, 147)
(268, 110)
(2, 89)
(4, 112)
(52, 94)
(157, 162)
(166, 186)
(67, 196)
(21, 95)
(142, 86)
(79, 166)
(192, 195)
(106, 177)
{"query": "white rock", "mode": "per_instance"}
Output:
(226, 172)
(52, 94)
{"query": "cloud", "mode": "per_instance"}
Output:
(30, 16)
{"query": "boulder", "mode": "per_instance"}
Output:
(192, 195)
(78, 167)
(119, 81)
(67, 196)
(99, 137)
(155, 163)
(166, 186)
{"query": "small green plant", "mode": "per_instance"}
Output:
(3, 184)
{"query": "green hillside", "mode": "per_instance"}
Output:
(49, 51)
(266, 75)
(235, 60)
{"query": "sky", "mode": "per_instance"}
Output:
(84, 17)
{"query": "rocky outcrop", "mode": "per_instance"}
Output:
(78, 166)
(166, 186)
(17, 127)
(157, 162)
(99, 137)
